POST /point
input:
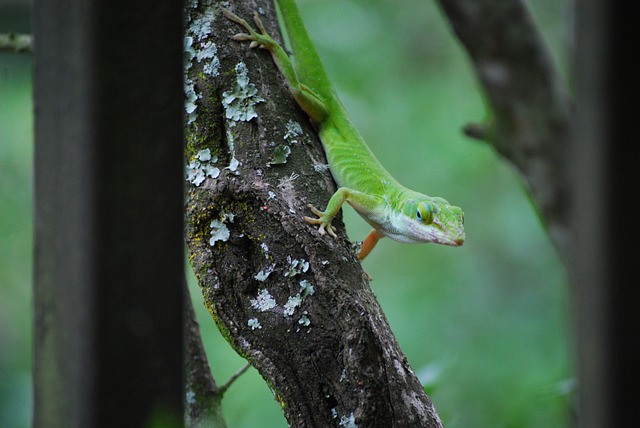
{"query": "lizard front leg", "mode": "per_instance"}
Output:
(361, 202)
(325, 217)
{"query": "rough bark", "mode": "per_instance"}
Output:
(530, 104)
(317, 335)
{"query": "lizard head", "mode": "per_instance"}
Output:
(427, 219)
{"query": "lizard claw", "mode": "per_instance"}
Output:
(325, 227)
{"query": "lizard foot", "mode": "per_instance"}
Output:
(325, 226)
(262, 40)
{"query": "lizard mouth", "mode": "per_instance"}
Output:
(451, 241)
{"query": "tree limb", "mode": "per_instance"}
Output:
(203, 397)
(296, 305)
(531, 106)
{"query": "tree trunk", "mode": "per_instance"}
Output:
(297, 305)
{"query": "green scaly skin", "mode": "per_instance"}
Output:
(392, 209)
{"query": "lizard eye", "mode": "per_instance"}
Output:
(424, 213)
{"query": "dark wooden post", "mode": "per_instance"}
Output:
(108, 213)
(605, 263)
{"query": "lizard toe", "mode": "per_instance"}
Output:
(258, 22)
(315, 210)
(312, 220)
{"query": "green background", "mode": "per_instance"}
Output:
(486, 327)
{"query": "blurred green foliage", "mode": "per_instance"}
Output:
(16, 147)
(485, 326)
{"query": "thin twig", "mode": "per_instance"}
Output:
(233, 378)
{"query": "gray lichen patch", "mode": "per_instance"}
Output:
(294, 130)
(292, 303)
(306, 290)
(201, 167)
(296, 266)
(254, 323)
(239, 103)
(202, 26)
(264, 274)
(304, 319)
(348, 421)
(219, 232)
(199, 49)
(233, 163)
(263, 301)
(280, 155)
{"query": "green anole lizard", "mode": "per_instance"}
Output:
(392, 209)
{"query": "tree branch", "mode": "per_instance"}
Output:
(203, 397)
(530, 103)
(296, 305)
